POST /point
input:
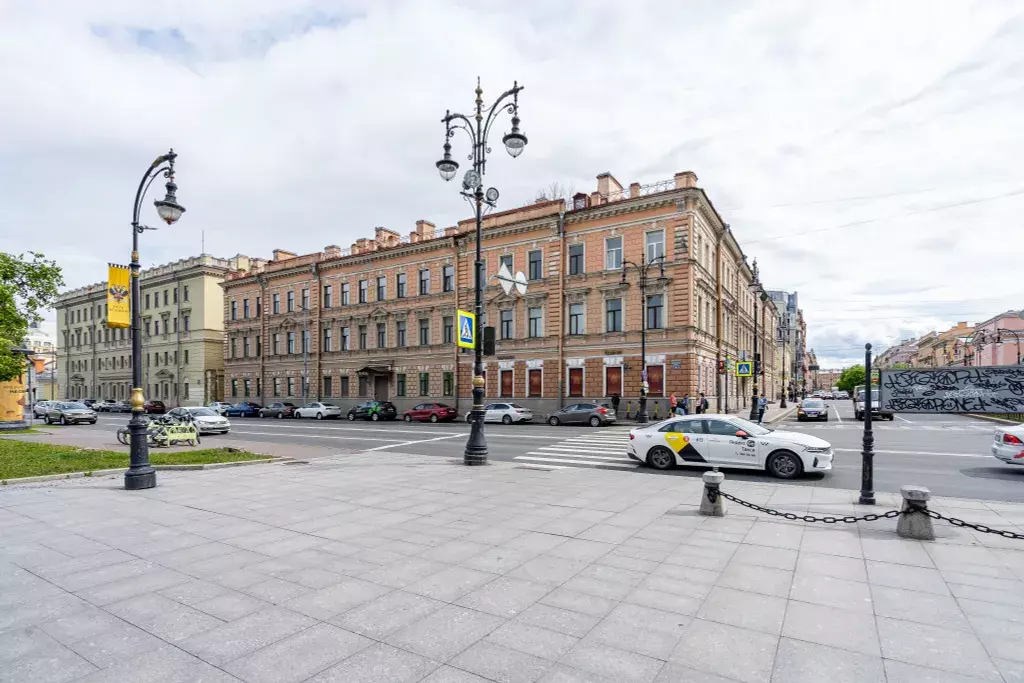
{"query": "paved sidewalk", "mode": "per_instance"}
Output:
(393, 568)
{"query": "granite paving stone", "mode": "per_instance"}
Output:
(501, 664)
(446, 632)
(451, 583)
(818, 564)
(901, 672)
(328, 602)
(831, 626)
(299, 656)
(613, 664)
(644, 630)
(54, 664)
(729, 651)
(230, 605)
(827, 590)
(533, 640)
(449, 674)
(548, 569)
(756, 579)
(936, 647)
(233, 639)
(163, 617)
(504, 597)
(560, 620)
(386, 614)
(742, 608)
(579, 602)
(909, 577)
(801, 662)
(912, 605)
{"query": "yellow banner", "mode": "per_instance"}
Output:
(119, 312)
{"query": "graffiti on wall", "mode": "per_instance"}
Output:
(996, 389)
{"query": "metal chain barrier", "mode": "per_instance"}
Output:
(970, 525)
(849, 519)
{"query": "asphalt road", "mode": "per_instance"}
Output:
(947, 453)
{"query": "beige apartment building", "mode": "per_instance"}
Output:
(377, 320)
(182, 336)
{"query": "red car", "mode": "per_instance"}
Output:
(432, 412)
(154, 407)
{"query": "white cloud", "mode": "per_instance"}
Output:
(301, 124)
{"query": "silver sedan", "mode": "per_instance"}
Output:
(69, 413)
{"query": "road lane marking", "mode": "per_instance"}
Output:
(577, 462)
(542, 468)
(952, 455)
(838, 417)
(617, 458)
(410, 443)
(903, 418)
(599, 451)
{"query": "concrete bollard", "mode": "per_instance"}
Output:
(913, 523)
(712, 504)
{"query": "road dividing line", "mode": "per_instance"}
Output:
(576, 462)
(837, 414)
(313, 436)
(951, 455)
(410, 443)
(903, 419)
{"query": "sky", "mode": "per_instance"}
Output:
(866, 153)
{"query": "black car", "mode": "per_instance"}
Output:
(812, 409)
(278, 410)
(89, 402)
(373, 410)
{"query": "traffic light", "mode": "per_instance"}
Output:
(721, 367)
(488, 341)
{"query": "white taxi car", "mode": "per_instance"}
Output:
(728, 441)
(1008, 445)
(318, 410)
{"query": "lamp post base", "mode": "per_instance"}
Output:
(476, 446)
(145, 478)
(641, 415)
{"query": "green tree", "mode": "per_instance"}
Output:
(27, 286)
(850, 377)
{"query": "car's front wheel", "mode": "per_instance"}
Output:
(553, 421)
(63, 420)
(319, 416)
(46, 419)
(784, 465)
(408, 418)
(375, 417)
(661, 458)
(433, 418)
(279, 415)
(351, 417)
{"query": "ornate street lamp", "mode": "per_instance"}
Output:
(140, 474)
(759, 294)
(478, 129)
(642, 270)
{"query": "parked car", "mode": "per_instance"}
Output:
(506, 413)
(728, 441)
(69, 413)
(318, 410)
(278, 410)
(88, 402)
(812, 409)
(120, 407)
(876, 410)
(1008, 444)
(582, 413)
(219, 406)
(40, 408)
(432, 412)
(206, 420)
(243, 409)
(104, 406)
(373, 410)
(154, 407)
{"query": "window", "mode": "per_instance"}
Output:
(655, 318)
(186, 353)
(174, 298)
(327, 340)
(147, 328)
(424, 384)
(425, 281)
(156, 330)
(448, 280)
(344, 339)
(613, 253)
(234, 387)
(344, 386)
(399, 333)
(305, 299)
(259, 308)
(277, 386)
(305, 341)
(536, 265)
(576, 319)
(613, 315)
(276, 304)
(234, 310)
(448, 327)
(290, 306)
(291, 343)
(275, 343)
(448, 384)
(165, 297)
(344, 294)
(382, 335)
(505, 383)
(245, 347)
(291, 386)
(424, 332)
(382, 288)
(400, 384)
(245, 308)
(327, 386)
(535, 318)
(400, 285)
(575, 259)
(259, 345)
(506, 324)
(328, 295)
(535, 382)
(184, 292)
(655, 242)
(506, 260)
(362, 291)
(362, 336)
(575, 381)
(185, 322)
(246, 386)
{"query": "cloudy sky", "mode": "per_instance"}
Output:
(868, 154)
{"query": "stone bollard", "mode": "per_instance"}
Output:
(712, 504)
(912, 522)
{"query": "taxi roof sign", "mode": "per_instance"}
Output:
(467, 329)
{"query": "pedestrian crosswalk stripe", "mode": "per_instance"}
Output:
(576, 449)
(617, 457)
(564, 461)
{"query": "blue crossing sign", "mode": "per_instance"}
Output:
(467, 329)
(744, 368)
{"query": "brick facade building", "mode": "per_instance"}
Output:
(377, 319)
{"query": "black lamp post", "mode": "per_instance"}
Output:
(867, 453)
(755, 288)
(479, 129)
(642, 270)
(140, 474)
(785, 389)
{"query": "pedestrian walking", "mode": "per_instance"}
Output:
(615, 403)
(702, 404)
(685, 405)
(673, 403)
(762, 405)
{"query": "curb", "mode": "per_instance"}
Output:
(122, 470)
(779, 418)
(986, 418)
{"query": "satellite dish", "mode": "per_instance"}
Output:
(505, 278)
(520, 283)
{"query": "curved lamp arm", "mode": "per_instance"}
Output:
(512, 107)
(151, 173)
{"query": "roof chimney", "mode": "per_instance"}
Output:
(332, 251)
(685, 179)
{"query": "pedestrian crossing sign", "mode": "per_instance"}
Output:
(744, 368)
(467, 329)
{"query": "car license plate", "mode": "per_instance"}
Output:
(812, 414)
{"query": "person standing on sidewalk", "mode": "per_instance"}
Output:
(702, 404)
(685, 405)
(762, 405)
(673, 403)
